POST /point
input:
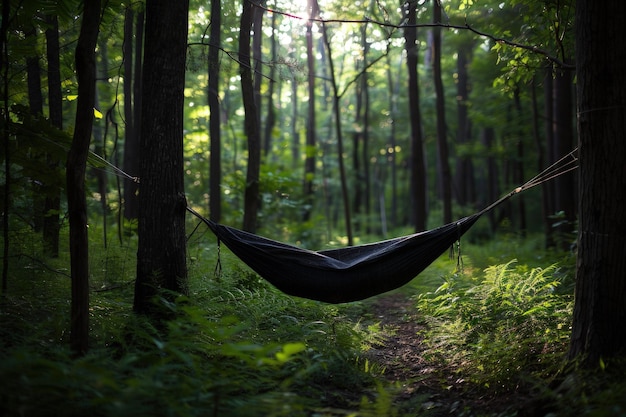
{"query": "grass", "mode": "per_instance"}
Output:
(238, 347)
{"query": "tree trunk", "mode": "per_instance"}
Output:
(491, 175)
(251, 194)
(548, 109)
(35, 103)
(465, 188)
(417, 165)
(564, 185)
(518, 169)
(52, 204)
(598, 331)
(270, 120)
(440, 105)
(76, 166)
(310, 146)
(394, 92)
(337, 114)
(4, 68)
(541, 165)
(131, 139)
(257, 58)
(213, 61)
(161, 253)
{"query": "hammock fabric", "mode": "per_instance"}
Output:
(346, 274)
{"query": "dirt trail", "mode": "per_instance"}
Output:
(422, 384)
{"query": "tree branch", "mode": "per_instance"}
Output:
(531, 48)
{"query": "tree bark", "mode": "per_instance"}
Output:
(563, 136)
(35, 104)
(213, 94)
(131, 139)
(442, 140)
(465, 186)
(52, 204)
(541, 165)
(337, 117)
(598, 331)
(161, 253)
(270, 120)
(4, 68)
(251, 193)
(76, 166)
(417, 164)
(310, 146)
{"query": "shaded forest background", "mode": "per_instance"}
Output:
(323, 124)
(498, 114)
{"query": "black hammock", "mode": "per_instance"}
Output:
(351, 273)
(341, 275)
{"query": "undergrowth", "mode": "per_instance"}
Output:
(508, 325)
(238, 347)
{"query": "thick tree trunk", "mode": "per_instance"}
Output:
(161, 253)
(417, 164)
(598, 331)
(213, 94)
(76, 166)
(251, 193)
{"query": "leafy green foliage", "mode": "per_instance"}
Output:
(237, 347)
(509, 325)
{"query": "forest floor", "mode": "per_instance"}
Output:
(426, 387)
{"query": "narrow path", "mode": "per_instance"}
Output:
(422, 384)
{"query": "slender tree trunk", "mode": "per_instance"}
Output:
(310, 146)
(213, 60)
(52, 204)
(257, 58)
(391, 150)
(295, 134)
(541, 158)
(518, 175)
(340, 152)
(131, 139)
(366, 128)
(35, 103)
(491, 175)
(4, 68)
(251, 194)
(465, 188)
(270, 120)
(563, 126)
(99, 139)
(548, 108)
(598, 331)
(440, 105)
(161, 252)
(76, 166)
(358, 166)
(418, 166)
